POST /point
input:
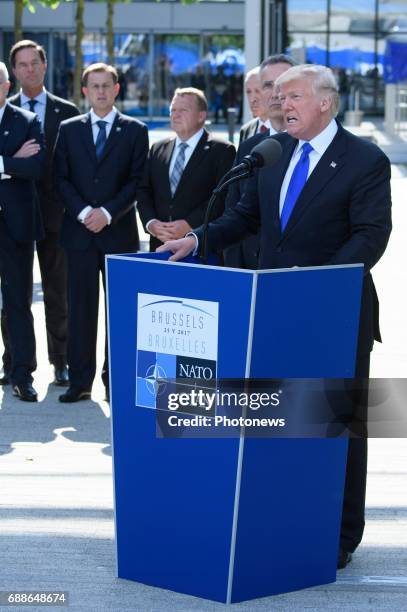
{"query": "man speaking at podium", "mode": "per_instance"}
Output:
(325, 202)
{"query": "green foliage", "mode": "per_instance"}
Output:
(30, 5)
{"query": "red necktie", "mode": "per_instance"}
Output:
(264, 129)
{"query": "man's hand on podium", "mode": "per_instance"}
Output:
(180, 248)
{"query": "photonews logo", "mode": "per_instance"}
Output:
(177, 347)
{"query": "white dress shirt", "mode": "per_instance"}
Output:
(192, 143)
(267, 124)
(40, 107)
(319, 144)
(109, 119)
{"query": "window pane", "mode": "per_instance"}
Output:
(307, 15)
(176, 58)
(307, 47)
(350, 16)
(224, 65)
(131, 60)
(393, 16)
(352, 58)
(62, 66)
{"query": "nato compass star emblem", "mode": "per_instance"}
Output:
(155, 380)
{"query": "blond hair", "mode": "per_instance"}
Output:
(323, 81)
(199, 95)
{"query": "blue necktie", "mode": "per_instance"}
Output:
(296, 184)
(31, 103)
(101, 138)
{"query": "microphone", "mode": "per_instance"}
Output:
(264, 154)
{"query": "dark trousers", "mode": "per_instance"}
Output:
(16, 272)
(52, 262)
(353, 511)
(84, 269)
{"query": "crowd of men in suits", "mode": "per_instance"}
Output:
(325, 202)
(76, 179)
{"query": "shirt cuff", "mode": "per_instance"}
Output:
(84, 212)
(195, 251)
(107, 214)
(1, 165)
(148, 225)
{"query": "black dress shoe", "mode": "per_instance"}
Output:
(61, 376)
(5, 379)
(74, 394)
(344, 557)
(25, 392)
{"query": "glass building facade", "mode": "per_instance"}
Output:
(350, 36)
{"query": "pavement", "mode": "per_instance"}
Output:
(56, 496)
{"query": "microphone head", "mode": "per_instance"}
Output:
(267, 152)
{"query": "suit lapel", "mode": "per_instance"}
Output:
(87, 136)
(16, 100)
(52, 115)
(5, 126)
(195, 160)
(325, 171)
(168, 151)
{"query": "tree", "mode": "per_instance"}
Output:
(19, 6)
(79, 30)
(110, 26)
(110, 31)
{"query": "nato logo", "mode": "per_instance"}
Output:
(177, 345)
(153, 372)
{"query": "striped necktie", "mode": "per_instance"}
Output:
(178, 167)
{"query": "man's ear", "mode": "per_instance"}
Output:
(325, 103)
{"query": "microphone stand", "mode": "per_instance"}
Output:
(225, 182)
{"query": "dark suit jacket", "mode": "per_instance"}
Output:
(18, 197)
(111, 182)
(343, 216)
(56, 110)
(248, 130)
(246, 253)
(211, 159)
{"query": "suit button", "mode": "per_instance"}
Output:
(279, 249)
(96, 180)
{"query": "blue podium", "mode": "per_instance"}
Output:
(233, 518)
